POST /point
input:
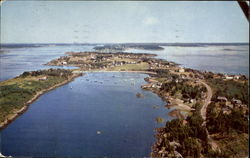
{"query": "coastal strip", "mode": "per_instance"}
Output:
(17, 113)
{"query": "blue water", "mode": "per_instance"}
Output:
(65, 121)
(14, 61)
(229, 59)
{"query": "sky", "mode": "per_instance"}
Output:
(122, 21)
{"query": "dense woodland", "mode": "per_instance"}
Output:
(183, 88)
(187, 137)
(191, 138)
(48, 72)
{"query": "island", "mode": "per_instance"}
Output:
(127, 46)
(210, 109)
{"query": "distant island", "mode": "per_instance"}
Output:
(127, 46)
(146, 46)
(211, 109)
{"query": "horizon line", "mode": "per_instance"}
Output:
(133, 43)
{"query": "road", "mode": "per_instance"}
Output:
(207, 100)
(204, 112)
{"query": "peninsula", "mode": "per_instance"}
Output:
(211, 109)
(17, 93)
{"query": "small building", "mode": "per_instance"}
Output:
(64, 63)
(236, 101)
(183, 76)
(229, 77)
(154, 85)
(146, 86)
(181, 70)
(236, 77)
(43, 78)
(191, 100)
(223, 99)
(92, 57)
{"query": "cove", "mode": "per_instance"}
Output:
(96, 115)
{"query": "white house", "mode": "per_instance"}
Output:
(43, 78)
(229, 77)
(181, 70)
(236, 101)
(219, 98)
(64, 63)
(236, 77)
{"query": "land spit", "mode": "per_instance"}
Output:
(19, 112)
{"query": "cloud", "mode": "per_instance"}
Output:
(150, 21)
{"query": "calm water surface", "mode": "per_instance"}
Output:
(65, 121)
(14, 61)
(223, 59)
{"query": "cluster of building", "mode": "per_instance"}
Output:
(231, 77)
(230, 104)
(157, 63)
(152, 83)
(90, 60)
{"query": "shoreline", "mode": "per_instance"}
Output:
(163, 80)
(19, 112)
(172, 103)
(76, 74)
(142, 72)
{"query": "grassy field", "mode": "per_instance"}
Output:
(130, 67)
